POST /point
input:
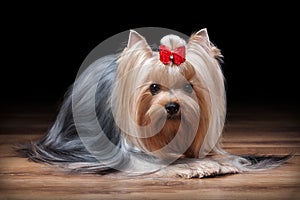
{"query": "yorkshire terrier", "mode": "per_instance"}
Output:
(147, 110)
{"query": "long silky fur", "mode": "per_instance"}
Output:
(63, 145)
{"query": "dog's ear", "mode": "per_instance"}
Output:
(201, 37)
(135, 53)
(204, 35)
(135, 38)
(137, 46)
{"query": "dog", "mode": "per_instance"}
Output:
(147, 111)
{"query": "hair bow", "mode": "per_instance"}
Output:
(166, 56)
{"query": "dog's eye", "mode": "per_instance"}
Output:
(154, 88)
(188, 88)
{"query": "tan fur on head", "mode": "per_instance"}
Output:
(196, 129)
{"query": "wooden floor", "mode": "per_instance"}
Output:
(267, 129)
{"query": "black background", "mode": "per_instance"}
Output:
(44, 45)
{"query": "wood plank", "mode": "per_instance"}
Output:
(261, 131)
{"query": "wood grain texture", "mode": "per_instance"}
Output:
(261, 130)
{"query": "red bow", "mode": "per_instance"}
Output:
(166, 56)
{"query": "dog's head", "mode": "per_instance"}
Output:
(172, 101)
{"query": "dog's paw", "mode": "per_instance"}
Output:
(197, 169)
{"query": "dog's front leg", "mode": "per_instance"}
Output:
(198, 168)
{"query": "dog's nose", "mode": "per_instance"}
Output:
(172, 108)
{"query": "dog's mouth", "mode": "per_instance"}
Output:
(174, 116)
